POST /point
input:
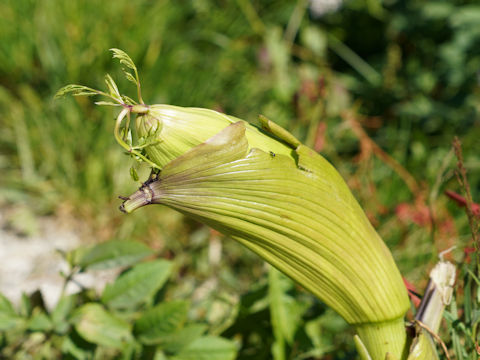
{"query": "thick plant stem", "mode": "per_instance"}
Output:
(384, 337)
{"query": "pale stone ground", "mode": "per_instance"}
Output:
(28, 263)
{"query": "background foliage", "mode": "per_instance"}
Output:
(378, 87)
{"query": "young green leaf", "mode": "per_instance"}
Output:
(128, 100)
(175, 342)
(106, 103)
(76, 90)
(124, 58)
(128, 62)
(137, 285)
(96, 325)
(112, 88)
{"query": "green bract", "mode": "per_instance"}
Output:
(276, 196)
(298, 215)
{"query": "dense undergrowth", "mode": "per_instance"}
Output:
(380, 89)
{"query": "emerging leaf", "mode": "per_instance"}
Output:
(112, 87)
(76, 90)
(124, 58)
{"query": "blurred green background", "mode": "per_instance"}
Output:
(380, 88)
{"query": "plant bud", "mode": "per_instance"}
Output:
(176, 130)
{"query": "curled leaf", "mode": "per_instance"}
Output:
(301, 217)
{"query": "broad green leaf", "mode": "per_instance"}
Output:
(137, 284)
(298, 214)
(96, 325)
(208, 348)
(160, 322)
(113, 253)
(183, 337)
(39, 321)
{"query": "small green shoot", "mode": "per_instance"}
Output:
(122, 131)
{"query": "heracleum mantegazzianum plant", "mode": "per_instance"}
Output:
(277, 197)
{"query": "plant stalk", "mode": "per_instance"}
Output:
(384, 337)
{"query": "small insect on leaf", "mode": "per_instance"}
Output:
(134, 174)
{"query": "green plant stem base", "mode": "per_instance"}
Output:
(384, 337)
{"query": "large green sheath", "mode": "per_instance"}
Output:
(299, 216)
